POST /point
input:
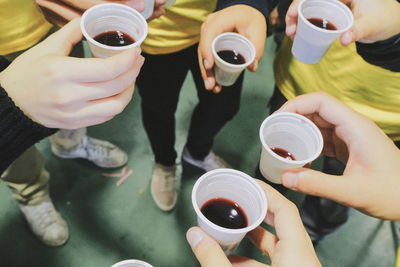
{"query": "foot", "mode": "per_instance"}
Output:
(164, 189)
(102, 153)
(209, 163)
(46, 223)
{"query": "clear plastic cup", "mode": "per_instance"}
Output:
(226, 73)
(148, 8)
(132, 263)
(112, 17)
(293, 133)
(235, 186)
(311, 42)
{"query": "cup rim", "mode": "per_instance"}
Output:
(230, 65)
(312, 125)
(334, 2)
(216, 227)
(115, 5)
(120, 263)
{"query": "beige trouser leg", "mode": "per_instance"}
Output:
(27, 178)
(67, 140)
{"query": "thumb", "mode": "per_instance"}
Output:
(359, 31)
(62, 41)
(206, 249)
(337, 188)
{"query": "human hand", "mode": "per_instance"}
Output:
(374, 20)
(371, 180)
(242, 19)
(59, 12)
(291, 246)
(58, 91)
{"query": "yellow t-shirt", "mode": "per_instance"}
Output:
(398, 258)
(179, 28)
(368, 89)
(21, 25)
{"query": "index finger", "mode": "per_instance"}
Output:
(97, 69)
(285, 215)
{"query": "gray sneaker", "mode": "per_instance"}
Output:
(164, 183)
(46, 223)
(209, 163)
(100, 152)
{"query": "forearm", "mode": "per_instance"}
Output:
(17, 131)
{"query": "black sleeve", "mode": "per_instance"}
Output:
(385, 54)
(17, 131)
(264, 6)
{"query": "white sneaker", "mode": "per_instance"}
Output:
(209, 163)
(100, 152)
(164, 183)
(46, 223)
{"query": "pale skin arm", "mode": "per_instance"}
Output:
(291, 246)
(242, 19)
(371, 180)
(375, 20)
(58, 91)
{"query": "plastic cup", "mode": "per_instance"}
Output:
(112, 17)
(235, 186)
(131, 263)
(226, 73)
(169, 3)
(148, 8)
(310, 41)
(293, 133)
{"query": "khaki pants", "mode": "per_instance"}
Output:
(26, 176)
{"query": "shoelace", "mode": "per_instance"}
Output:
(44, 215)
(93, 148)
(169, 182)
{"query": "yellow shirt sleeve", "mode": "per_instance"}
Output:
(22, 25)
(368, 89)
(179, 28)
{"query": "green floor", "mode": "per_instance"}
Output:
(109, 223)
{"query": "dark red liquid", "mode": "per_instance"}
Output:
(283, 153)
(231, 56)
(114, 38)
(322, 23)
(225, 213)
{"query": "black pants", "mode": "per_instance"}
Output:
(160, 82)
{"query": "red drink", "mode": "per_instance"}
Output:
(225, 213)
(114, 38)
(231, 56)
(283, 153)
(322, 23)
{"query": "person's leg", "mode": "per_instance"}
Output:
(29, 183)
(159, 83)
(209, 116)
(323, 216)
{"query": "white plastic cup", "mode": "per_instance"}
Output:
(112, 17)
(131, 263)
(169, 3)
(293, 133)
(235, 186)
(311, 42)
(226, 73)
(148, 8)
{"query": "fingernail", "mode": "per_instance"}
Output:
(138, 51)
(347, 38)
(194, 236)
(255, 65)
(207, 84)
(290, 179)
(206, 64)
